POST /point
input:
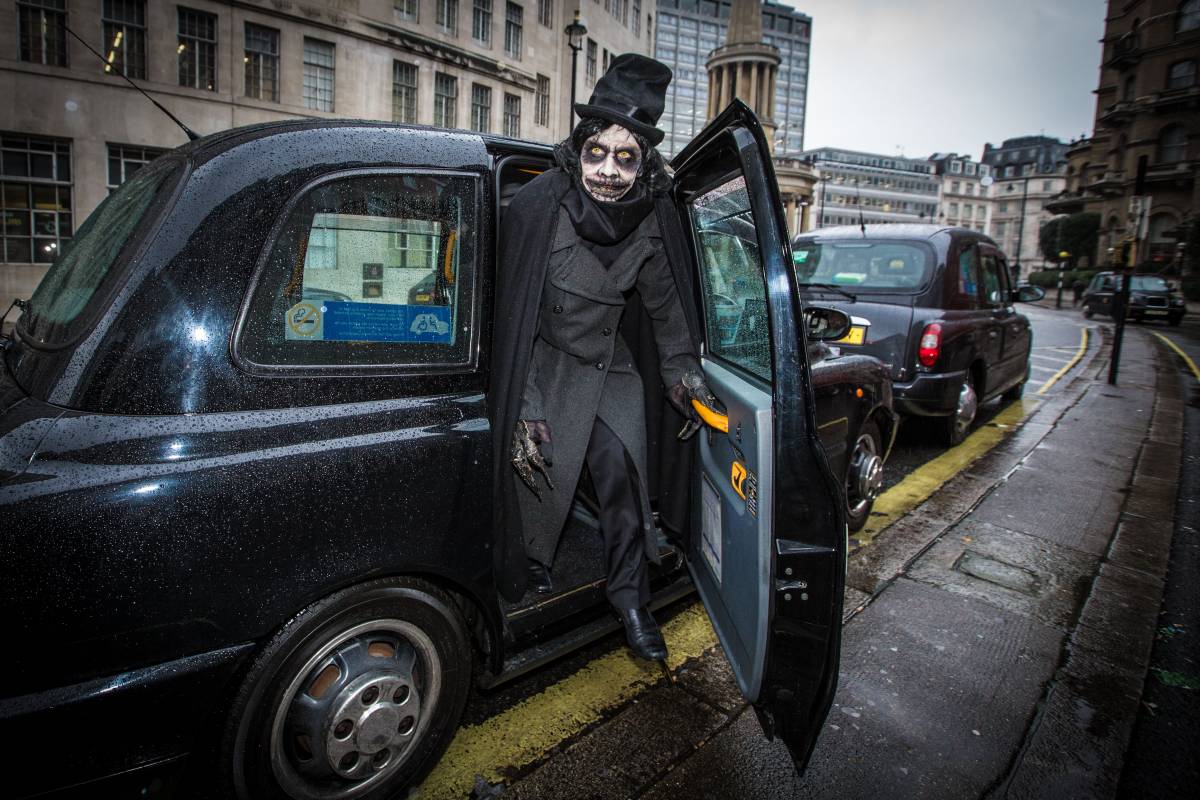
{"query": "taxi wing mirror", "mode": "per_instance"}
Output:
(1029, 294)
(825, 324)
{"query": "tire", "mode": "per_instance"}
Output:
(357, 696)
(954, 428)
(1174, 321)
(864, 475)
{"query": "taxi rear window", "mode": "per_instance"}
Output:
(863, 265)
(104, 242)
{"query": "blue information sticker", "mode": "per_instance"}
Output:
(382, 322)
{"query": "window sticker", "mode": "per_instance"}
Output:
(345, 321)
(710, 544)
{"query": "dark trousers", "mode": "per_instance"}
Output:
(615, 480)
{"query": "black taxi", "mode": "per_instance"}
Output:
(244, 466)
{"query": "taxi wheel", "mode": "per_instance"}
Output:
(864, 475)
(356, 697)
(955, 427)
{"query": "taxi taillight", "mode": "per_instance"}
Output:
(931, 345)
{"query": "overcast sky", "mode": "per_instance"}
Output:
(938, 75)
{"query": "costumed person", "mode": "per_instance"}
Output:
(589, 320)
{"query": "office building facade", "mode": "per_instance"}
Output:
(74, 129)
(885, 189)
(689, 30)
(964, 196)
(1029, 171)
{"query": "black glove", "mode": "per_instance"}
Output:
(531, 451)
(692, 387)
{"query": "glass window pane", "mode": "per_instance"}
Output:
(731, 278)
(387, 276)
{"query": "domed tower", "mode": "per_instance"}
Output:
(744, 67)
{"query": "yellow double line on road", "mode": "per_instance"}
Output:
(530, 730)
(1186, 358)
(1070, 365)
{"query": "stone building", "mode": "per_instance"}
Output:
(72, 129)
(886, 189)
(1028, 171)
(1148, 122)
(689, 30)
(963, 197)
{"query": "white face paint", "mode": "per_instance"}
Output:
(610, 161)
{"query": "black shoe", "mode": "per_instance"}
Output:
(642, 633)
(539, 578)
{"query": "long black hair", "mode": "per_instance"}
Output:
(653, 170)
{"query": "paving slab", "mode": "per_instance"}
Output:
(710, 679)
(1142, 543)
(1041, 503)
(1011, 570)
(935, 694)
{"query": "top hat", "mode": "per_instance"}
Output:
(631, 94)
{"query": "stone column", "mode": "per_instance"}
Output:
(752, 100)
(790, 206)
(805, 211)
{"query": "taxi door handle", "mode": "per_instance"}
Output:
(713, 419)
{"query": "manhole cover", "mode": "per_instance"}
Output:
(1007, 575)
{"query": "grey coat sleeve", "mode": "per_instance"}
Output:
(656, 285)
(531, 399)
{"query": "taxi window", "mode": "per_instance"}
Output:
(731, 278)
(968, 278)
(992, 294)
(374, 270)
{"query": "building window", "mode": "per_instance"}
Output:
(481, 108)
(1189, 16)
(124, 160)
(546, 13)
(954, 186)
(1172, 144)
(407, 9)
(636, 19)
(445, 100)
(36, 199)
(1002, 208)
(541, 103)
(956, 167)
(197, 49)
(318, 74)
(124, 24)
(447, 16)
(43, 31)
(1045, 186)
(512, 30)
(1181, 75)
(590, 69)
(262, 62)
(481, 22)
(404, 92)
(512, 116)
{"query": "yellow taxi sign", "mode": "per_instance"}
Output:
(856, 335)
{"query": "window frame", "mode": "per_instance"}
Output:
(56, 147)
(482, 22)
(474, 308)
(399, 65)
(1187, 67)
(112, 22)
(118, 150)
(62, 44)
(262, 58)
(320, 69)
(513, 101)
(214, 43)
(481, 112)
(514, 30)
(451, 105)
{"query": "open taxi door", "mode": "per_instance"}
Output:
(767, 549)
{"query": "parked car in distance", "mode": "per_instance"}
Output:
(939, 304)
(246, 464)
(1150, 298)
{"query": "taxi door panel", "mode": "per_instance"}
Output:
(768, 540)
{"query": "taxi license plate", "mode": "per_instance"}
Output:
(855, 336)
(1155, 311)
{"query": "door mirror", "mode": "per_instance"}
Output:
(825, 324)
(1029, 294)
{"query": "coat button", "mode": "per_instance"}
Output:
(558, 309)
(599, 365)
(606, 332)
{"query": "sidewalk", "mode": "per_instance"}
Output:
(996, 641)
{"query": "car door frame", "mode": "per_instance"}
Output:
(806, 567)
(996, 316)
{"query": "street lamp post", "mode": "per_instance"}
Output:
(1021, 224)
(575, 33)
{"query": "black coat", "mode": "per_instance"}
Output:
(527, 235)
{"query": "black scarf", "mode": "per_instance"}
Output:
(605, 227)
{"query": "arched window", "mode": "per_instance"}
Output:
(1189, 16)
(1172, 144)
(1181, 74)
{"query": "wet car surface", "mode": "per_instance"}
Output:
(247, 488)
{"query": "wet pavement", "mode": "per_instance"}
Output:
(997, 639)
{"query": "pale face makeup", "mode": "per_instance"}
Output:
(610, 161)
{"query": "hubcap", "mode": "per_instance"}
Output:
(865, 480)
(351, 714)
(968, 404)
